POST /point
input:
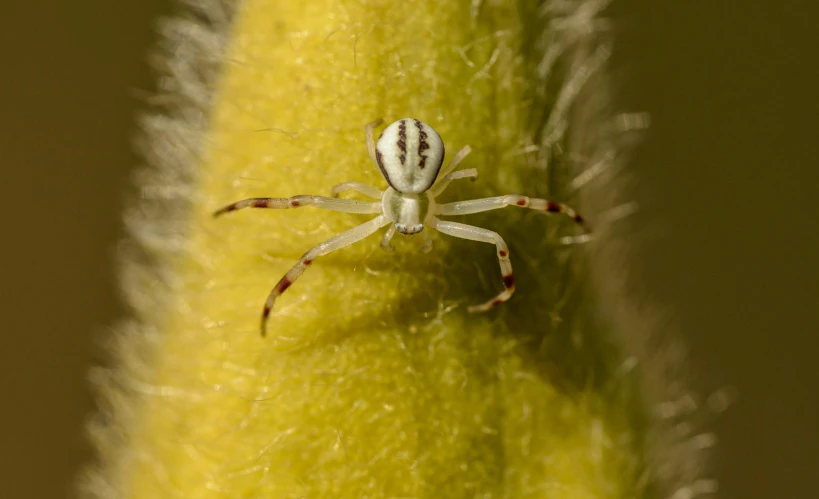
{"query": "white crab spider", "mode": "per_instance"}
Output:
(409, 154)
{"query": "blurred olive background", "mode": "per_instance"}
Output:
(726, 181)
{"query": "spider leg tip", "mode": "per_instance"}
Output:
(222, 211)
(265, 315)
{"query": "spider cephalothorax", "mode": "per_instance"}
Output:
(409, 154)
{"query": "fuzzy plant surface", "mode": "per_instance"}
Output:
(373, 380)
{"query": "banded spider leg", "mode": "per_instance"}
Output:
(473, 233)
(344, 239)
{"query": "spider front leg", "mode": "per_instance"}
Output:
(437, 189)
(448, 174)
(365, 189)
(485, 236)
(427, 247)
(386, 245)
(344, 239)
(385, 241)
(487, 204)
(368, 133)
(332, 204)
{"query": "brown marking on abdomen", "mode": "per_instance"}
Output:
(402, 140)
(422, 144)
(379, 158)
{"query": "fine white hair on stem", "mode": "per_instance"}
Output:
(189, 59)
(575, 49)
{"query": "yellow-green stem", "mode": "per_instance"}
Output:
(373, 380)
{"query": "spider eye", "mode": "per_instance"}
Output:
(409, 154)
(409, 229)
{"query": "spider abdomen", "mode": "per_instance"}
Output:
(409, 153)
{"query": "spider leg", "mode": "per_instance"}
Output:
(455, 161)
(387, 246)
(368, 132)
(358, 187)
(442, 184)
(333, 204)
(344, 239)
(385, 241)
(427, 247)
(485, 236)
(487, 204)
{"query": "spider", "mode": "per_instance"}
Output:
(409, 154)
